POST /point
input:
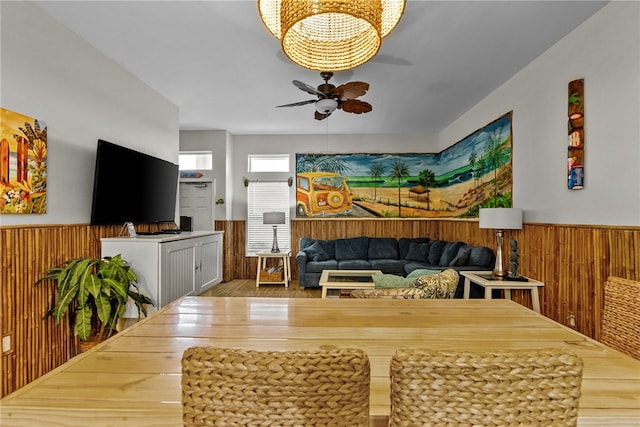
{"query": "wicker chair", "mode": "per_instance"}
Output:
(621, 318)
(538, 387)
(229, 387)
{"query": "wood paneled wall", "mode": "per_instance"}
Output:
(26, 252)
(573, 261)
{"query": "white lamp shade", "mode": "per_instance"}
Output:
(501, 218)
(273, 217)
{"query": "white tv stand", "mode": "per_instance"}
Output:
(170, 266)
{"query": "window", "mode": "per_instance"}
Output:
(267, 197)
(195, 160)
(268, 163)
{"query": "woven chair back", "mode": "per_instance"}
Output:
(538, 387)
(621, 316)
(230, 387)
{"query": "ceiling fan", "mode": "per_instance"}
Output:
(330, 97)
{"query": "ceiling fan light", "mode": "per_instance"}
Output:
(326, 106)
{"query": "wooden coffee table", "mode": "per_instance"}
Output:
(347, 279)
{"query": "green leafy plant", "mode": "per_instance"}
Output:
(98, 290)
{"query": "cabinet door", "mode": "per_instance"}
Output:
(209, 267)
(178, 270)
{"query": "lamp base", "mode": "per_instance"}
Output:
(274, 247)
(499, 270)
(500, 273)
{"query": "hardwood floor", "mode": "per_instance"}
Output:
(247, 288)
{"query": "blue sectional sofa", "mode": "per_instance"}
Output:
(389, 255)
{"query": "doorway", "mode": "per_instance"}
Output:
(196, 201)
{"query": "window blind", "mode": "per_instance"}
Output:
(266, 197)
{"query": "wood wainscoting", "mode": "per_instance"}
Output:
(573, 261)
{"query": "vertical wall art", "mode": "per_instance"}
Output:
(473, 173)
(575, 173)
(23, 164)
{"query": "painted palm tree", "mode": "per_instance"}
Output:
(494, 153)
(473, 160)
(321, 163)
(398, 171)
(426, 178)
(376, 170)
(482, 167)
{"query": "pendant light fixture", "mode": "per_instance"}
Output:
(330, 35)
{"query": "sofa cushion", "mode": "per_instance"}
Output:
(352, 248)
(449, 252)
(435, 251)
(462, 257)
(404, 243)
(354, 264)
(392, 266)
(318, 267)
(316, 252)
(418, 252)
(383, 248)
(392, 281)
(480, 256)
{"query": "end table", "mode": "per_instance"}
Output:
(285, 257)
(490, 282)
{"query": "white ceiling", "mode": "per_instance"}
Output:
(217, 62)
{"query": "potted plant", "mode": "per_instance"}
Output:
(98, 290)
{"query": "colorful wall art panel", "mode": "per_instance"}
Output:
(23, 164)
(575, 161)
(473, 173)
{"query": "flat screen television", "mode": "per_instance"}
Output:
(130, 186)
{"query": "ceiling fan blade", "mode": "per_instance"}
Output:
(321, 116)
(296, 104)
(309, 89)
(355, 106)
(351, 90)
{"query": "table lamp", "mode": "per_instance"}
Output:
(274, 218)
(500, 219)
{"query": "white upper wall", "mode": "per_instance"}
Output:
(49, 73)
(605, 51)
(55, 76)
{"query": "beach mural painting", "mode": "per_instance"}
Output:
(473, 173)
(23, 164)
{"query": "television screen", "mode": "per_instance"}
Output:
(130, 186)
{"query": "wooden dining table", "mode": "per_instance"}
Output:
(133, 378)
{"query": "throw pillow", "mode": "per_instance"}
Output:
(462, 258)
(480, 256)
(392, 281)
(421, 272)
(316, 253)
(441, 285)
(435, 251)
(449, 252)
(417, 252)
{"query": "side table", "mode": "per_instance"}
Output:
(285, 257)
(490, 282)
